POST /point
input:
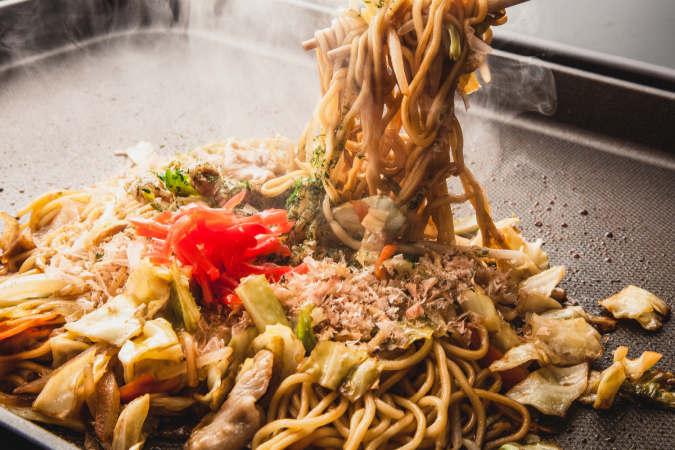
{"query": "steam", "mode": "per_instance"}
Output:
(104, 75)
(518, 85)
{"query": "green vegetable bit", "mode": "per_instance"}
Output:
(305, 330)
(177, 181)
(455, 46)
(655, 387)
(182, 303)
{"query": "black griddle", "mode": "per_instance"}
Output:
(106, 76)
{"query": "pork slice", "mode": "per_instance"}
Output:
(235, 423)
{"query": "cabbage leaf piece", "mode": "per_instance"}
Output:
(331, 362)
(502, 335)
(217, 389)
(149, 284)
(158, 342)
(601, 323)
(609, 385)
(635, 368)
(365, 376)
(114, 322)
(128, 433)
(554, 341)
(515, 357)
(281, 341)
(565, 341)
(345, 214)
(636, 303)
(534, 293)
(60, 397)
(261, 302)
(603, 386)
(64, 349)
(551, 389)
(16, 291)
(515, 241)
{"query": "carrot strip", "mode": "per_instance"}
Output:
(387, 252)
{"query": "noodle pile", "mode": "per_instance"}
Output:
(418, 404)
(389, 68)
(396, 65)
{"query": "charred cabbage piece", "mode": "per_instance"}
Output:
(551, 389)
(635, 368)
(565, 341)
(502, 336)
(636, 303)
(331, 362)
(515, 357)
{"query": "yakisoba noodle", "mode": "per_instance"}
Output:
(422, 418)
(377, 79)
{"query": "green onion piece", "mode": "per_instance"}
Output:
(261, 302)
(305, 330)
(455, 44)
(185, 309)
